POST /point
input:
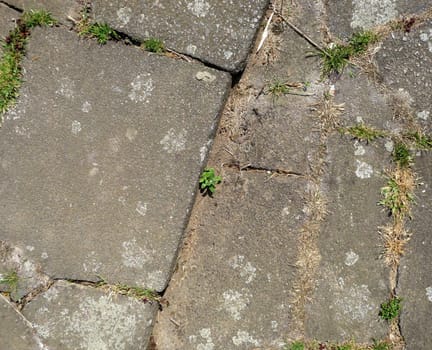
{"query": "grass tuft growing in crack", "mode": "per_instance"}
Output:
(142, 294)
(154, 45)
(402, 155)
(14, 51)
(102, 32)
(10, 280)
(391, 309)
(421, 141)
(351, 345)
(363, 132)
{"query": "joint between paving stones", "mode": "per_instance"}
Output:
(11, 6)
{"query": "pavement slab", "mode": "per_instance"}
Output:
(60, 9)
(415, 271)
(219, 32)
(234, 289)
(101, 156)
(71, 316)
(7, 17)
(347, 16)
(351, 281)
(15, 331)
(405, 65)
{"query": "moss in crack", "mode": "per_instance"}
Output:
(13, 52)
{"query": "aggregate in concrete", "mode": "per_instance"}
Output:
(351, 281)
(234, 289)
(348, 16)
(219, 32)
(415, 282)
(100, 159)
(70, 316)
(15, 332)
(405, 64)
(62, 10)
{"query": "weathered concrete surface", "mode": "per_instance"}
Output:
(415, 282)
(101, 156)
(15, 332)
(234, 289)
(60, 9)
(351, 282)
(347, 16)
(405, 62)
(7, 16)
(70, 316)
(219, 32)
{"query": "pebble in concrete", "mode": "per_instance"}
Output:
(220, 32)
(415, 282)
(15, 331)
(351, 281)
(234, 290)
(70, 316)
(100, 158)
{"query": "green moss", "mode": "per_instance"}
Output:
(154, 45)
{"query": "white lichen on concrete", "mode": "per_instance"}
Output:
(124, 15)
(359, 149)
(131, 134)
(142, 87)
(423, 115)
(76, 127)
(354, 303)
(191, 49)
(369, 13)
(205, 76)
(389, 146)
(67, 88)
(351, 258)
(174, 142)
(429, 293)
(364, 170)
(206, 341)
(133, 255)
(244, 338)
(427, 37)
(91, 263)
(199, 8)
(86, 107)
(235, 303)
(141, 208)
(247, 271)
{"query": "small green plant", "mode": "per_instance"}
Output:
(33, 19)
(390, 309)
(396, 199)
(344, 347)
(297, 345)
(421, 141)
(208, 181)
(362, 132)
(10, 279)
(154, 45)
(102, 32)
(360, 41)
(380, 345)
(335, 59)
(278, 88)
(401, 155)
(143, 294)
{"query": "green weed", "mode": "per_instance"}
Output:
(363, 132)
(13, 52)
(381, 346)
(421, 141)
(154, 45)
(401, 155)
(277, 88)
(208, 181)
(101, 32)
(297, 345)
(10, 279)
(360, 41)
(391, 309)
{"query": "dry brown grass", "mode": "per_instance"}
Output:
(395, 238)
(329, 113)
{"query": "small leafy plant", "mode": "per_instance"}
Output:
(278, 88)
(360, 41)
(398, 195)
(33, 19)
(102, 32)
(208, 181)
(297, 345)
(421, 141)
(154, 45)
(401, 155)
(380, 346)
(391, 309)
(363, 132)
(10, 279)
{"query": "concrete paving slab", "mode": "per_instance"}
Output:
(405, 63)
(234, 289)
(100, 159)
(15, 332)
(70, 316)
(219, 32)
(7, 21)
(347, 16)
(352, 282)
(415, 281)
(60, 9)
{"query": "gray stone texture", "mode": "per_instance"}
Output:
(60, 9)
(7, 17)
(405, 62)
(70, 316)
(351, 281)
(15, 332)
(101, 156)
(347, 16)
(219, 32)
(415, 281)
(234, 289)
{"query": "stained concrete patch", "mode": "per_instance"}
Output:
(415, 281)
(234, 289)
(15, 332)
(70, 316)
(352, 282)
(219, 32)
(60, 9)
(100, 158)
(405, 64)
